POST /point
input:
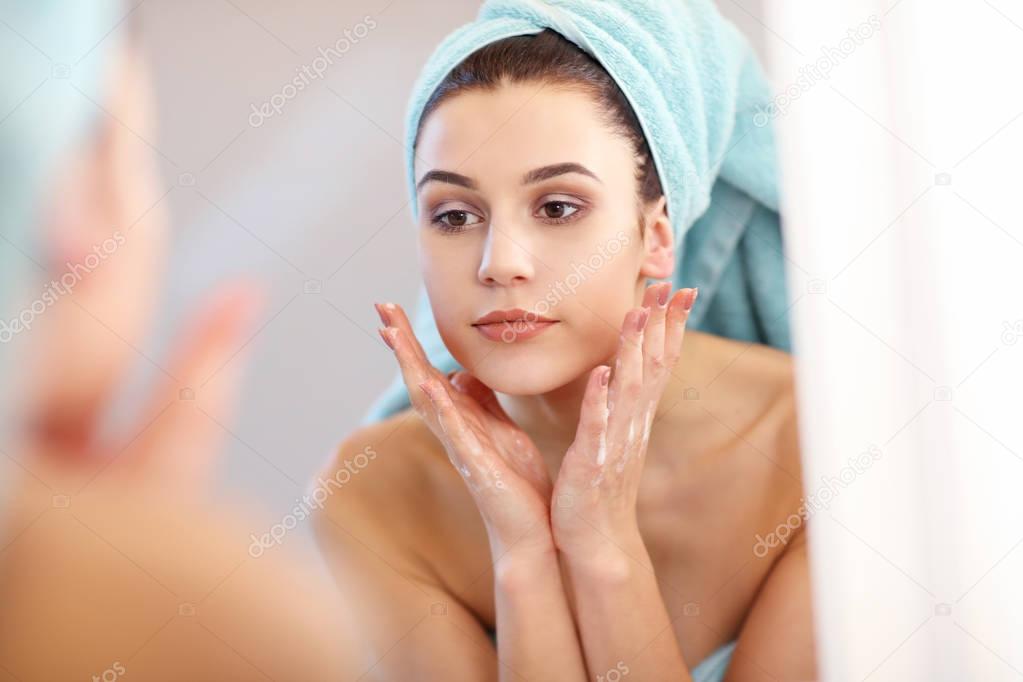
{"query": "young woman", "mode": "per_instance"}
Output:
(588, 487)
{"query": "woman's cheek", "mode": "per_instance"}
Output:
(604, 290)
(456, 341)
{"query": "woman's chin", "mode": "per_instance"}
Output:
(532, 367)
(521, 376)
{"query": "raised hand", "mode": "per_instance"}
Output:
(499, 463)
(597, 485)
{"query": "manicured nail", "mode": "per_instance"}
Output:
(641, 319)
(457, 379)
(605, 376)
(662, 296)
(691, 299)
(384, 316)
(384, 335)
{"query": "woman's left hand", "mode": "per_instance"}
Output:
(500, 465)
(595, 494)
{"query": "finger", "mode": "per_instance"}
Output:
(416, 365)
(474, 388)
(521, 457)
(591, 433)
(627, 380)
(414, 371)
(642, 419)
(655, 300)
(188, 417)
(675, 324)
(464, 449)
(393, 315)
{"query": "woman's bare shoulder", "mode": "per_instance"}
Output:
(389, 464)
(382, 532)
(751, 388)
(735, 360)
(391, 480)
(750, 382)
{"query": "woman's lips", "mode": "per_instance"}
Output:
(510, 331)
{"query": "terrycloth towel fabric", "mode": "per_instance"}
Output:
(701, 98)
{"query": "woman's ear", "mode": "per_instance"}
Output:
(658, 242)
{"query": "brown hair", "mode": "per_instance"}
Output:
(548, 57)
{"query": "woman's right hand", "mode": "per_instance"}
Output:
(499, 463)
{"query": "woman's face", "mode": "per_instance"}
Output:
(527, 200)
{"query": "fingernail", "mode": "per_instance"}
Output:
(691, 299)
(605, 376)
(384, 317)
(641, 320)
(386, 338)
(662, 296)
(455, 379)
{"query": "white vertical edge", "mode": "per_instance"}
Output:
(842, 183)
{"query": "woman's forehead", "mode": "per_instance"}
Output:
(517, 128)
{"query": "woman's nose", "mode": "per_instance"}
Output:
(506, 261)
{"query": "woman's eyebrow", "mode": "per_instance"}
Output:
(448, 177)
(534, 176)
(547, 172)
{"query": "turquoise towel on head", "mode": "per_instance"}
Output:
(701, 97)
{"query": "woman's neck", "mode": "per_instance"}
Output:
(550, 419)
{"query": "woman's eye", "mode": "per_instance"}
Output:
(558, 211)
(455, 221)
